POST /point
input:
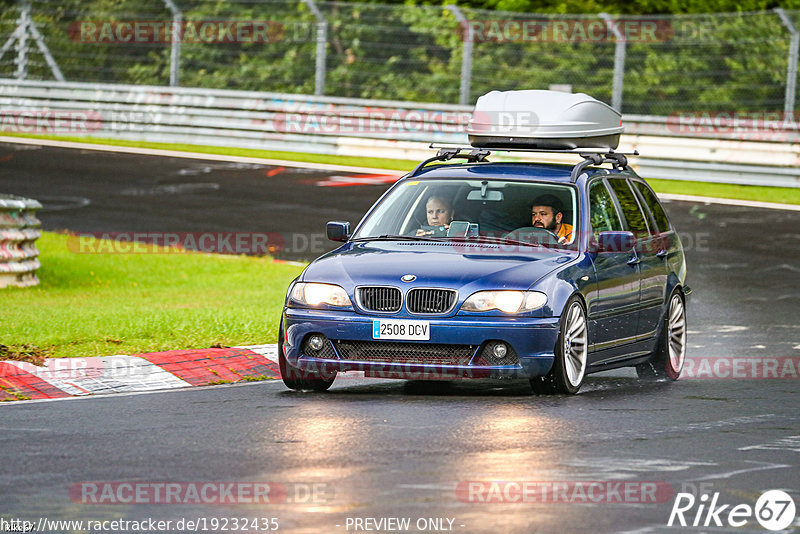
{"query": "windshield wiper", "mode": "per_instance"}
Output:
(498, 240)
(458, 239)
(391, 237)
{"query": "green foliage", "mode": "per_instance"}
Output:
(633, 7)
(401, 51)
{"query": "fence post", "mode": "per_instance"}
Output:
(619, 62)
(23, 29)
(791, 71)
(322, 42)
(175, 50)
(48, 57)
(466, 55)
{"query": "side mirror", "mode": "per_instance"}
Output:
(338, 230)
(615, 241)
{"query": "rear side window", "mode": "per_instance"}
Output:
(655, 206)
(630, 207)
(603, 213)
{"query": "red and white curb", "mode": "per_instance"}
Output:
(67, 377)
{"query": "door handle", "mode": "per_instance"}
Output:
(662, 253)
(634, 260)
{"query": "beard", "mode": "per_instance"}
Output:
(552, 226)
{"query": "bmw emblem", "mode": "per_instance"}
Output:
(408, 278)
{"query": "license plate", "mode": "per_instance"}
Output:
(396, 329)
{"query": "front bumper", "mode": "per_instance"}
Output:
(532, 341)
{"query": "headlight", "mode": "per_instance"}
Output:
(505, 301)
(313, 294)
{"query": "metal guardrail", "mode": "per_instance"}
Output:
(716, 150)
(19, 229)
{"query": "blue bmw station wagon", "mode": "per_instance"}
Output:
(489, 270)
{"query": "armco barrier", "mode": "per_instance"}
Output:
(19, 229)
(712, 150)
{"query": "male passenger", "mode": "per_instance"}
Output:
(546, 212)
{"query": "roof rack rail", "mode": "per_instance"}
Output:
(448, 153)
(618, 160)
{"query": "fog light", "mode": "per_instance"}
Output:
(315, 343)
(500, 350)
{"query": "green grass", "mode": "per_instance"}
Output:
(257, 378)
(375, 163)
(786, 195)
(104, 304)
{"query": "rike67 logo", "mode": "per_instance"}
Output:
(774, 510)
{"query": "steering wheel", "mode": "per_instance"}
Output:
(532, 234)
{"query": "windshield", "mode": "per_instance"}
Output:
(527, 212)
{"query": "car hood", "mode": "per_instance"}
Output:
(451, 265)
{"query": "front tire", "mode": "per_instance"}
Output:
(299, 379)
(571, 353)
(670, 354)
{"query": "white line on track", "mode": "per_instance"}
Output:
(197, 155)
(764, 467)
(730, 202)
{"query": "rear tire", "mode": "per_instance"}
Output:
(571, 352)
(299, 379)
(670, 354)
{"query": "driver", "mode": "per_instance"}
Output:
(439, 212)
(546, 212)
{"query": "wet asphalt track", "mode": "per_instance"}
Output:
(396, 448)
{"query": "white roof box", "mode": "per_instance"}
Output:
(543, 119)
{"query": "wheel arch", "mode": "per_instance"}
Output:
(560, 294)
(560, 286)
(673, 283)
